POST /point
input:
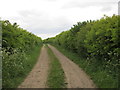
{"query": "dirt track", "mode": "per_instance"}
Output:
(38, 76)
(75, 76)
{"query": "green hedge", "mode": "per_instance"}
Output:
(20, 50)
(94, 40)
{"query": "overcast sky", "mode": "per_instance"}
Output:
(47, 18)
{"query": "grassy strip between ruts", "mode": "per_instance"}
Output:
(97, 73)
(24, 63)
(56, 78)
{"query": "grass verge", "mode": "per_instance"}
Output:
(93, 68)
(17, 66)
(56, 77)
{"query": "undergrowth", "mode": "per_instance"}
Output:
(17, 66)
(103, 78)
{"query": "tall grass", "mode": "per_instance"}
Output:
(17, 66)
(95, 69)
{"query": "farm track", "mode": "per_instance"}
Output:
(38, 76)
(75, 76)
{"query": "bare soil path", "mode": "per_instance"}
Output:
(75, 76)
(38, 76)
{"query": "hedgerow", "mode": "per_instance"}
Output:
(20, 49)
(96, 41)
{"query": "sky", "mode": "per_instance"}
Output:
(47, 18)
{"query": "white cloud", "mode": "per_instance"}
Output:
(50, 17)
